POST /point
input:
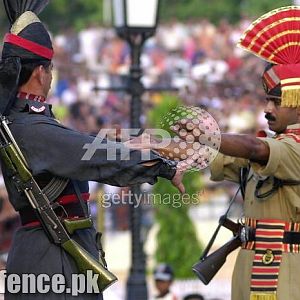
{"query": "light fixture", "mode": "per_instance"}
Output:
(135, 16)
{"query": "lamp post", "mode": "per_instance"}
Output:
(136, 21)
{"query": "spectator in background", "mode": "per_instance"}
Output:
(163, 276)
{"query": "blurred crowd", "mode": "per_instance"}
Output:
(199, 58)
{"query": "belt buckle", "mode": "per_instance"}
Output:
(268, 257)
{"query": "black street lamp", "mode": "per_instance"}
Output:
(136, 21)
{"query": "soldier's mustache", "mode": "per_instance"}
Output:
(269, 117)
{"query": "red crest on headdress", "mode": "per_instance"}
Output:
(275, 37)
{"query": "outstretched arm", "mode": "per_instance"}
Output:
(61, 152)
(236, 145)
(245, 146)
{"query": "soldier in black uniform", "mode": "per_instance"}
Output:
(54, 153)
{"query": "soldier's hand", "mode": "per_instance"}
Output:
(177, 180)
(143, 142)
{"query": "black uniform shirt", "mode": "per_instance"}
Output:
(53, 149)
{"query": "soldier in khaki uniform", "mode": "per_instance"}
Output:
(267, 265)
(283, 204)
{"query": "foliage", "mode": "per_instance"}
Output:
(61, 14)
(254, 8)
(214, 10)
(75, 13)
(177, 242)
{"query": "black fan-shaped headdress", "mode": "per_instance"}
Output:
(27, 41)
(28, 37)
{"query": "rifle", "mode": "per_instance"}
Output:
(208, 266)
(58, 233)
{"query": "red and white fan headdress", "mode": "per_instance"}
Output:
(275, 37)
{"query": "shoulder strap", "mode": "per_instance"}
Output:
(244, 172)
(82, 203)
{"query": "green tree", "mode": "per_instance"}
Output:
(254, 8)
(177, 242)
(61, 14)
(75, 13)
(214, 10)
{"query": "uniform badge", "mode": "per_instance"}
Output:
(268, 257)
(37, 110)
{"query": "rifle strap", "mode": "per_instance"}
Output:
(221, 223)
(100, 249)
(83, 204)
(277, 183)
(244, 173)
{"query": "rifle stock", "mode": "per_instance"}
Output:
(208, 266)
(232, 226)
(85, 261)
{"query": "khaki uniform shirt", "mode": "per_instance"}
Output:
(284, 204)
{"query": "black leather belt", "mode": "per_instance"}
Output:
(69, 210)
(291, 237)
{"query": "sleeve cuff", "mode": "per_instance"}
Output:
(167, 169)
(217, 168)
